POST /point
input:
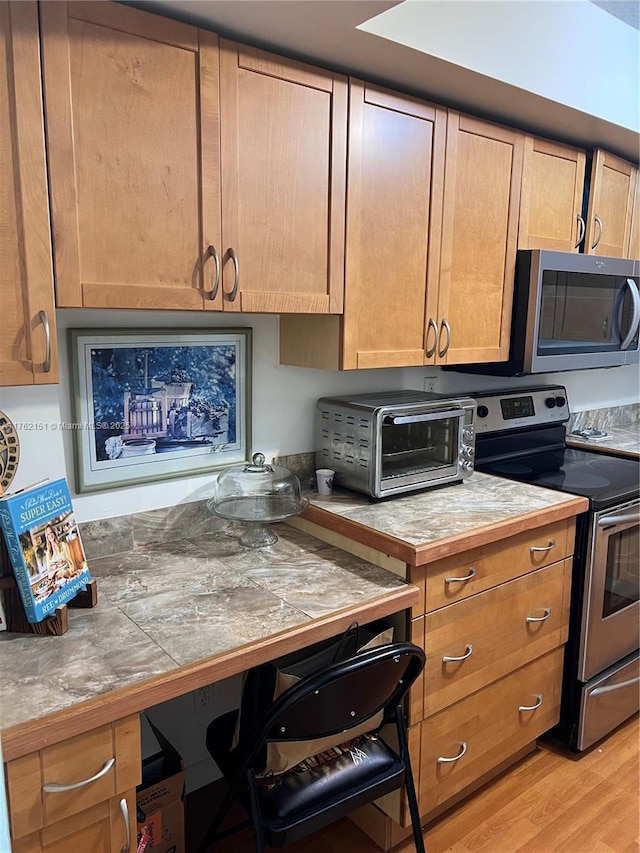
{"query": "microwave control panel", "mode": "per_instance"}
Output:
(525, 407)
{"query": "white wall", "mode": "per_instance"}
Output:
(568, 51)
(283, 404)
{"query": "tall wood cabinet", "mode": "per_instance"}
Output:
(28, 348)
(431, 241)
(143, 217)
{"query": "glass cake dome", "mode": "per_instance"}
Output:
(257, 494)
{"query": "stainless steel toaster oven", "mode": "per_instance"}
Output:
(387, 443)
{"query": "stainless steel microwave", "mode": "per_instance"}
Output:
(384, 444)
(571, 312)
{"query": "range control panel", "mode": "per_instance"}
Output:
(525, 407)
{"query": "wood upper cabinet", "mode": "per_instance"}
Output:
(28, 352)
(128, 99)
(394, 214)
(611, 200)
(147, 210)
(284, 130)
(634, 242)
(396, 160)
(430, 265)
(551, 200)
(483, 175)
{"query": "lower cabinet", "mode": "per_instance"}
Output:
(464, 741)
(78, 794)
(493, 620)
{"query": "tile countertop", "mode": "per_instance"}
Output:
(620, 441)
(422, 527)
(621, 423)
(172, 617)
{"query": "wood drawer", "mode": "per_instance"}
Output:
(100, 829)
(490, 565)
(490, 631)
(491, 726)
(69, 762)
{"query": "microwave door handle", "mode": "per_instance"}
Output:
(635, 314)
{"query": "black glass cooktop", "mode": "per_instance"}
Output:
(605, 480)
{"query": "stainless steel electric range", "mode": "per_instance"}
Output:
(520, 435)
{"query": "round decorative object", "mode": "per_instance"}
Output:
(9, 452)
(257, 494)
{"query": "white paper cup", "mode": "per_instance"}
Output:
(324, 480)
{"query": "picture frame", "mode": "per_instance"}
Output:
(151, 405)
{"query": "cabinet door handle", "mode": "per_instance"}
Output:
(236, 275)
(55, 788)
(124, 811)
(216, 276)
(582, 227)
(44, 319)
(549, 547)
(598, 222)
(532, 707)
(463, 749)
(432, 325)
(470, 576)
(547, 613)
(444, 325)
(467, 654)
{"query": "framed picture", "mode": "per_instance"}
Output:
(150, 405)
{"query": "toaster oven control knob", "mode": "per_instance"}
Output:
(467, 450)
(550, 402)
(561, 401)
(466, 465)
(482, 411)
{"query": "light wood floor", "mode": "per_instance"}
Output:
(551, 802)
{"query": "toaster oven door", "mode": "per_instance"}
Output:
(419, 449)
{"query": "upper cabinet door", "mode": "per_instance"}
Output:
(610, 206)
(634, 242)
(28, 354)
(551, 201)
(135, 196)
(396, 171)
(483, 174)
(283, 131)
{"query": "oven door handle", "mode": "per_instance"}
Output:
(432, 414)
(611, 688)
(612, 520)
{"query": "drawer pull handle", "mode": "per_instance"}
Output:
(470, 576)
(532, 707)
(463, 749)
(467, 654)
(55, 788)
(124, 811)
(547, 613)
(549, 547)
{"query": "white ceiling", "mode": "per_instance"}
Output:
(324, 32)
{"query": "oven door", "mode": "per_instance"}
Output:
(611, 613)
(419, 448)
